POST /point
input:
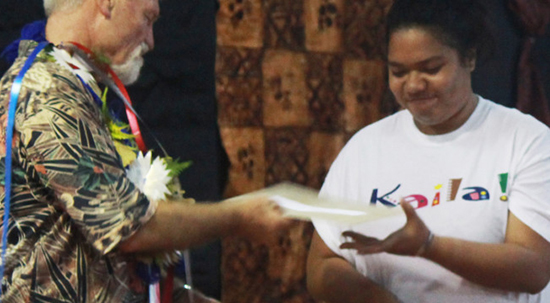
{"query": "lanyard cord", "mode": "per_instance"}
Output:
(117, 86)
(14, 96)
(109, 77)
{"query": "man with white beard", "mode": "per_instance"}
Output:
(77, 221)
(128, 71)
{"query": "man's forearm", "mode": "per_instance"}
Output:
(180, 225)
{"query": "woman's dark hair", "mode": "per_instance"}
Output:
(459, 24)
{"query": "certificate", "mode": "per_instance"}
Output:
(304, 203)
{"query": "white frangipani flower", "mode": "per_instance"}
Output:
(73, 63)
(151, 177)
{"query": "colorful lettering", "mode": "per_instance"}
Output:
(454, 184)
(503, 181)
(478, 194)
(419, 199)
(436, 199)
(374, 197)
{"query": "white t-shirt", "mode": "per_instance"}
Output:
(462, 183)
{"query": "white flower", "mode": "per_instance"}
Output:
(73, 63)
(150, 177)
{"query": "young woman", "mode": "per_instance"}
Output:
(472, 177)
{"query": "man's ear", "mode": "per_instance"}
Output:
(105, 7)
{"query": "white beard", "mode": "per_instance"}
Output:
(128, 71)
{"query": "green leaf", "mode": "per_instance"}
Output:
(117, 131)
(175, 166)
(127, 153)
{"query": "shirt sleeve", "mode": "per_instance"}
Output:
(530, 191)
(67, 152)
(335, 186)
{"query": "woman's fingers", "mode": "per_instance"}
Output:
(409, 211)
(362, 243)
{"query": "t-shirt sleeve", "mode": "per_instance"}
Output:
(334, 186)
(67, 151)
(530, 191)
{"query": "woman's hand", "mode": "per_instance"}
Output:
(410, 240)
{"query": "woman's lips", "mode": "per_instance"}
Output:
(421, 99)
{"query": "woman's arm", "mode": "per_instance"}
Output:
(521, 263)
(331, 279)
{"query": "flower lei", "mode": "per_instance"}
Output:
(125, 144)
(156, 178)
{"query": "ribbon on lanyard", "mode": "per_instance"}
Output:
(14, 96)
(120, 89)
(130, 112)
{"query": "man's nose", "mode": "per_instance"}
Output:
(149, 39)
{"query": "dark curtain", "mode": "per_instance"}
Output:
(176, 97)
(534, 17)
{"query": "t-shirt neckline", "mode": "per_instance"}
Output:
(412, 130)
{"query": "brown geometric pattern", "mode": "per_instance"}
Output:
(363, 91)
(286, 155)
(364, 24)
(284, 24)
(245, 148)
(239, 101)
(323, 149)
(240, 23)
(284, 89)
(239, 62)
(295, 80)
(324, 25)
(324, 82)
(257, 273)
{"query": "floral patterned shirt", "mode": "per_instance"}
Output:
(71, 201)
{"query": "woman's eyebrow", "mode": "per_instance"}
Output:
(423, 62)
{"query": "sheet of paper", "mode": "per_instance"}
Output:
(305, 204)
(299, 207)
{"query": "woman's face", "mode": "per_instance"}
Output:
(430, 80)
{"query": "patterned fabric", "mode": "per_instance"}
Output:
(71, 201)
(294, 81)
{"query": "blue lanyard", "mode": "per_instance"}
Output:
(14, 96)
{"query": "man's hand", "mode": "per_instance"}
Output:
(407, 241)
(261, 220)
(183, 225)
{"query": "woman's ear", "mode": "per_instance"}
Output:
(470, 59)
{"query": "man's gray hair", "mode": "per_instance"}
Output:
(51, 6)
